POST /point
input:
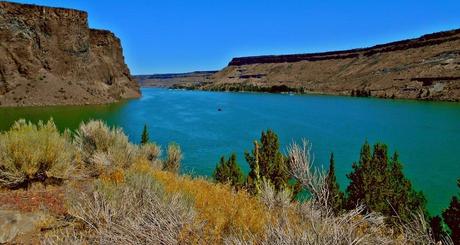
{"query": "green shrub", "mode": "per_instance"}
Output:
(336, 197)
(267, 162)
(378, 182)
(228, 171)
(34, 153)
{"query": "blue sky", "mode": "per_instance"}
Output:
(184, 35)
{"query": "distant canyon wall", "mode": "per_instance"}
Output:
(49, 56)
(174, 79)
(426, 68)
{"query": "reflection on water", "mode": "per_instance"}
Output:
(64, 116)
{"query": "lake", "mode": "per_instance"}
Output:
(426, 134)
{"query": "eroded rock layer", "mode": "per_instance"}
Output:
(49, 56)
(425, 68)
(174, 79)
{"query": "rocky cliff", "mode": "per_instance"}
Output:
(49, 56)
(425, 68)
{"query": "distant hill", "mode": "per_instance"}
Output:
(426, 68)
(173, 79)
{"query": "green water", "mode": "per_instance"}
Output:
(426, 134)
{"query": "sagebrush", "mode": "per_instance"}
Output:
(34, 153)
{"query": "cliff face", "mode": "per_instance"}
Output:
(49, 56)
(424, 68)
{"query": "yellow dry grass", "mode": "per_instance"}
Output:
(220, 210)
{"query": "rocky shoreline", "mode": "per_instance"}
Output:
(281, 89)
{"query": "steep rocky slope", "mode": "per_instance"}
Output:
(424, 68)
(49, 56)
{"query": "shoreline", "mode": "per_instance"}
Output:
(264, 91)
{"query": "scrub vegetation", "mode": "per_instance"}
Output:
(34, 153)
(115, 192)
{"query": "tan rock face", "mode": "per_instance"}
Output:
(49, 56)
(425, 68)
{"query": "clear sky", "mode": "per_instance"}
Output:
(188, 35)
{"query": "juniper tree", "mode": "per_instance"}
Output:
(221, 172)
(145, 135)
(403, 198)
(379, 183)
(270, 157)
(253, 181)
(452, 217)
(356, 191)
(228, 171)
(336, 197)
(267, 162)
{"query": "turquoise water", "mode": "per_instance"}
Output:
(426, 134)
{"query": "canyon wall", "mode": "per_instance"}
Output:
(49, 56)
(174, 79)
(426, 68)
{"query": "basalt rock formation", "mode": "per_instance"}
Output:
(425, 68)
(49, 56)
